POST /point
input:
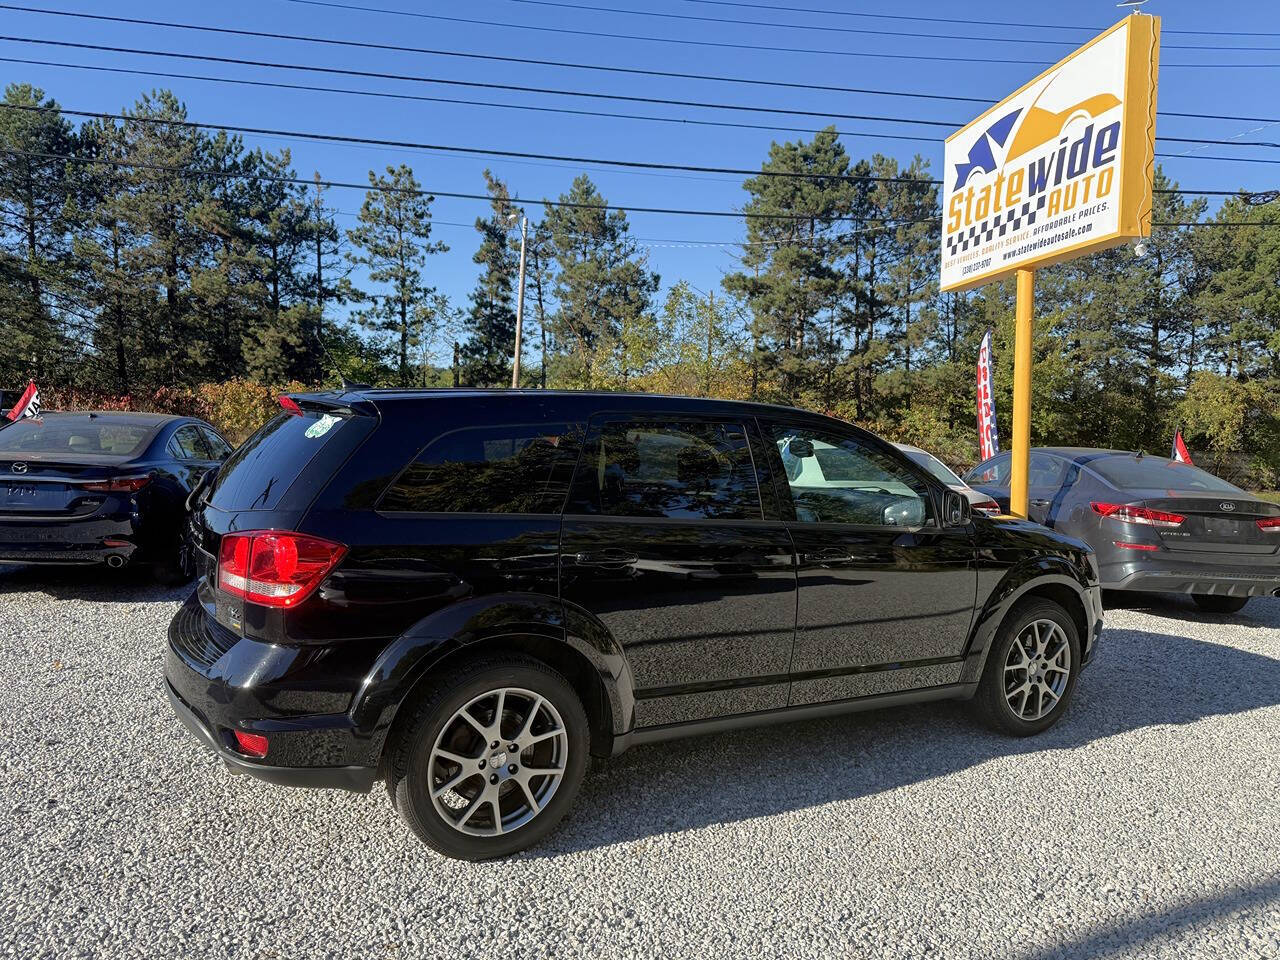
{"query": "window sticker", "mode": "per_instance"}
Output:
(321, 426)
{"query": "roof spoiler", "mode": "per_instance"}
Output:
(333, 403)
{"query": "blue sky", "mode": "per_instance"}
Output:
(1234, 89)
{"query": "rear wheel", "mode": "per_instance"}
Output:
(1031, 670)
(1215, 603)
(490, 759)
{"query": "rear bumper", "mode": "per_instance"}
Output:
(1173, 577)
(57, 541)
(219, 683)
(358, 779)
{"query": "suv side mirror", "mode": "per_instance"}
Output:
(798, 447)
(956, 511)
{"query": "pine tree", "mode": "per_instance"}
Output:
(392, 242)
(487, 352)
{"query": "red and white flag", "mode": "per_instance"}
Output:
(988, 434)
(28, 404)
(1180, 451)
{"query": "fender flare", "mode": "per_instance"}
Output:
(1020, 580)
(480, 622)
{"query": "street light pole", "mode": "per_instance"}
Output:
(515, 366)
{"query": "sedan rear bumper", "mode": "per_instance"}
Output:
(1172, 577)
(60, 541)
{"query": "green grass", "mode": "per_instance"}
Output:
(1269, 495)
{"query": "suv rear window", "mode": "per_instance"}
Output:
(501, 469)
(262, 468)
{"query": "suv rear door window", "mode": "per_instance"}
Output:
(501, 469)
(662, 468)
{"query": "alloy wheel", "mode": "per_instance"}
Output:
(1037, 669)
(497, 762)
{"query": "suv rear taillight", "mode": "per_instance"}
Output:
(273, 567)
(1143, 515)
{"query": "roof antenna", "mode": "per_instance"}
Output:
(346, 385)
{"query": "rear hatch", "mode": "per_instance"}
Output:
(271, 479)
(1218, 523)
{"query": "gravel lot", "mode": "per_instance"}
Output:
(1146, 824)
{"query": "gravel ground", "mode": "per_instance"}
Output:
(1145, 824)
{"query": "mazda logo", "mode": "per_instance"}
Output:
(19, 468)
(1226, 505)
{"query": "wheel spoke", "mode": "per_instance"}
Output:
(543, 771)
(1045, 688)
(528, 793)
(528, 721)
(481, 799)
(545, 735)
(480, 728)
(446, 787)
(452, 757)
(497, 813)
(497, 713)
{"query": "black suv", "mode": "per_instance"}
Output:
(463, 593)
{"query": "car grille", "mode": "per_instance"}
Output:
(197, 640)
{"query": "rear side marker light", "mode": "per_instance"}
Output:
(251, 744)
(1269, 525)
(117, 484)
(1132, 514)
(1136, 546)
(275, 568)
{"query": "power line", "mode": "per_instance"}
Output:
(488, 151)
(534, 61)
(622, 36)
(517, 201)
(484, 151)
(966, 21)
(419, 98)
(663, 15)
(520, 88)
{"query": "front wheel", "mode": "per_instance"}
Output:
(1031, 670)
(490, 759)
(1216, 603)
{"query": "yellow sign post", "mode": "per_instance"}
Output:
(1060, 168)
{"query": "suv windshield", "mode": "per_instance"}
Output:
(75, 436)
(1158, 473)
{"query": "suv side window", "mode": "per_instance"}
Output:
(499, 469)
(839, 479)
(668, 468)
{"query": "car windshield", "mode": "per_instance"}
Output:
(934, 466)
(1158, 473)
(74, 436)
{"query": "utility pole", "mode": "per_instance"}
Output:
(515, 365)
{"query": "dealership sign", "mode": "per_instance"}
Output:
(1061, 168)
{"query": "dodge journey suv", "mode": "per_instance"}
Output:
(463, 594)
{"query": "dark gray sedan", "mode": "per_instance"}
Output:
(1156, 524)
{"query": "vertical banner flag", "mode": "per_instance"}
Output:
(28, 404)
(988, 435)
(1180, 451)
(1061, 167)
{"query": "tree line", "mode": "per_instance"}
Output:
(166, 254)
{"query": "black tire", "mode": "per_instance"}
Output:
(410, 770)
(992, 701)
(1216, 603)
(177, 567)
